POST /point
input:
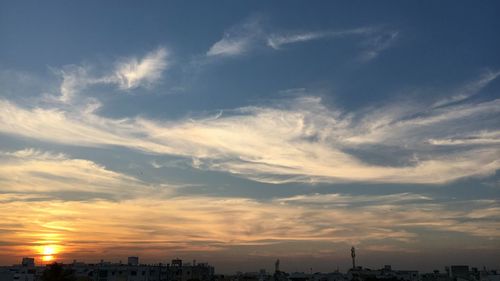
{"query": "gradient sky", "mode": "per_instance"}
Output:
(238, 132)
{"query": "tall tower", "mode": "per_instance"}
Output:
(353, 256)
(277, 265)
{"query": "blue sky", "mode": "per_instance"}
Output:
(242, 132)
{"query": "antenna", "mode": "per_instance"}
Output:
(353, 256)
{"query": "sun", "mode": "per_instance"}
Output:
(48, 252)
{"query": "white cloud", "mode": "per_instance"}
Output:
(348, 200)
(129, 73)
(74, 79)
(276, 41)
(249, 35)
(301, 140)
(480, 138)
(238, 40)
(134, 72)
(31, 171)
(229, 47)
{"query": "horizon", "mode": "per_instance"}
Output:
(241, 132)
(268, 268)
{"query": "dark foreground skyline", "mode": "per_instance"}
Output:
(286, 264)
(179, 270)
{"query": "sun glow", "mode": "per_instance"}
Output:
(47, 258)
(48, 252)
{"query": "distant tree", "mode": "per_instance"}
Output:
(56, 272)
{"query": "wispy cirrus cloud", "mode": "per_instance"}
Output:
(377, 43)
(349, 200)
(277, 40)
(128, 73)
(301, 140)
(134, 72)
(238, 40)
(55, 175)
(250, 35)
(479, 138)
(470, 89)
(229, 47)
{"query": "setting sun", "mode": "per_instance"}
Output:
(48, 252)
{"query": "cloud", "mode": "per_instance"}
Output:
(298, 141)
(349, 200)
(133, 72)
(74, 80)
(276, 41)
(480, 138)
(238, 40)
(250, 35)
(30, 171)
(470, 89)
(229, 47)
(211, 224)
(129, 73)
(36, 212)
(378, 43)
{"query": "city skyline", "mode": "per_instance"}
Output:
(276, 267)
(244, 132)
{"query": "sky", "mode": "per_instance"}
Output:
(239, 132)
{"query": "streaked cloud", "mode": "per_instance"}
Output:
(469, 90)
(214, 224)
(348, 200)
(229, 47)
(31, 171)
(250, 35)
(276, 41)
(298, 141)
(480, 138)
(237, 40)
(129, 73)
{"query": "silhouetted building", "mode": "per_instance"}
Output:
(489, 275)
(107, 271)
(28, 262)
(178, 270)
(26, 271)
(460, 271)
(385, 273)
(133, 261)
